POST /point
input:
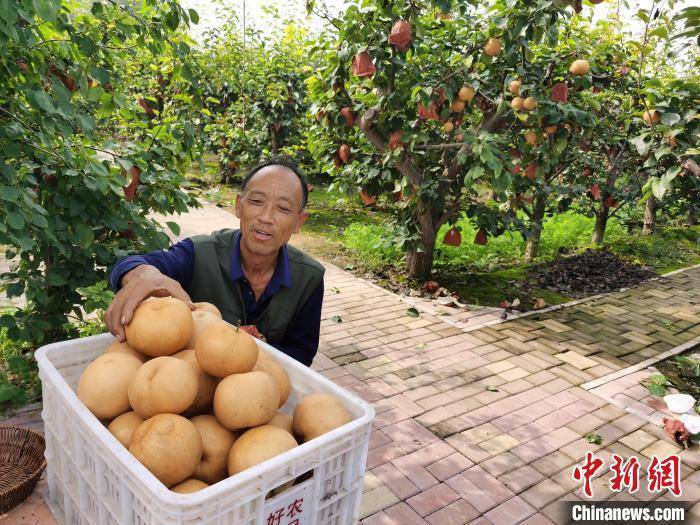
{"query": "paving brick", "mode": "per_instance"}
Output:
(538, 519)
(515, 510)
(370, 482)
(395, 480)
(381, 454)
(511, 421)
(514, 374)
(473, 452)
(379, 518)
(629, 422)
(609, 412)
(552, 463)
(560, 437)
(480, 489)
(376, 500)
(432, 499)
(543, 493)
(409, 435)
(449, 466)
(585, 424)
(638, 440)
(661, 449)
(521, 478)
(577, 360)
(389, 417)
(481, 433)
(533, 450)
(456, 513)
(405, 515)
(499, 444)
(500, 366)
(529, 432)
(501, 463)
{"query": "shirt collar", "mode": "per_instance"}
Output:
(282, 275)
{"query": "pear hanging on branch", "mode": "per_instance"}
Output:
(401, 35)
(362, 65)
(452, 237)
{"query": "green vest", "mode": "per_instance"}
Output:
(211, 282)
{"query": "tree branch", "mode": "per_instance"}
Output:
(404, 163)
(449, 145)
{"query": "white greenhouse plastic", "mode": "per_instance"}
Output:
(94, 480)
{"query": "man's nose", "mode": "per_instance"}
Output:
(266, 214)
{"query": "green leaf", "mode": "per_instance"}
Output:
(9, 193)
(83, 235)
(45, 10)
(412, 312)
(43, 100)
(659, 187)
(194, 16)
(670, 119)
(174, 227)
(593, 438)
(421, 346)
(15, 220)
(87, 122)
(336, 319)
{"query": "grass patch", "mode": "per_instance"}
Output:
(669, 250)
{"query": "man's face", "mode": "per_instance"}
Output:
(270, 209)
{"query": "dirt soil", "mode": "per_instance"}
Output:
(589, 273)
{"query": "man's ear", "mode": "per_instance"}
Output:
(238, 205)
(300, 222)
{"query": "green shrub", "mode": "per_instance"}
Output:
(19, 377)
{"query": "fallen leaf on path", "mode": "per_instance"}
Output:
(539, 304)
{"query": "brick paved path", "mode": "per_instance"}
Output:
(486, 426)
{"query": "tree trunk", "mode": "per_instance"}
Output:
(601, 221)
(692, 219)
(419, 264)
(224, 172)
(649, 216)
(533, 241)
(274, 139)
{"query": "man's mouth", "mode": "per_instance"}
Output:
(262, 234)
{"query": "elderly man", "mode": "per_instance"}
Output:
(250, 274)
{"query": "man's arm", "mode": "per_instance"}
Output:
(177, 262)
(158, 274)
(301, 339)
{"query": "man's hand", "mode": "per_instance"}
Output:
(138, 284)
(251, 329)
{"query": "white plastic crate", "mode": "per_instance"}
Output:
(94, 480)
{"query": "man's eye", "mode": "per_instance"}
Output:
(257, 202)
(284, 210)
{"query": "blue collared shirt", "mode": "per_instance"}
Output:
(177, 262)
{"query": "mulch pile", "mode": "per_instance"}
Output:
(589, 273)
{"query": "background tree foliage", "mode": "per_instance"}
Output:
(82, 161)
(255, 96)
(497, 164)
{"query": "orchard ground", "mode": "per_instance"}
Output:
(484, 426)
